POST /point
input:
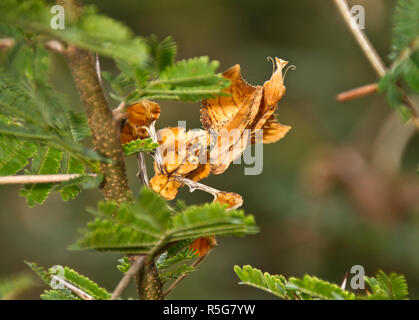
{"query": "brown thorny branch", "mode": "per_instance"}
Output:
(386, 135)
(106, 139)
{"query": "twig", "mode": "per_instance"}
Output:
(133, 270)
(76, 290)
(361, 38)
(41, 178)
(357, 92)
(193, 185)
(178, 280)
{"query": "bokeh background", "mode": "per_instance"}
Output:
(327, 198)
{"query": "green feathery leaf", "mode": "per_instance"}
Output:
(123, 265)
(188, 80)
(273, 284)
(176, 273)
(14, 155)
(59, 295)
(405, 69)
(162, 53)
(47, 163)
(165, 261)
(139, 145)
(318, 289)
(40, 272)
(71, 277)
(83, 283)
(406, 26)
(382, 286)
(387, 287)
(141, 226)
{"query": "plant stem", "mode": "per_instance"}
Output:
(357, 92)
(106, 137)
(105, 132)
(361, 38)
(41, 178)
(149, 286)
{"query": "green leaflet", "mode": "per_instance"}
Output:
(318, 289)
(48, 163)
(165, 260)
(264, 281)
(84, 283)
(162, 53)
(189, 69)
(404, 73)
(123, 265)
(70, 276)
(91, 31)
(188, 80)
(35, 117)
(58, 295)
(139, 145)
(79, 128)
(40, 272)
(381, 287)
(149, 222)
(406, 25)
(392, 287)
(14, 155)
(72, 189)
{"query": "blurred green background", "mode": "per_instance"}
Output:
(310, 222)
